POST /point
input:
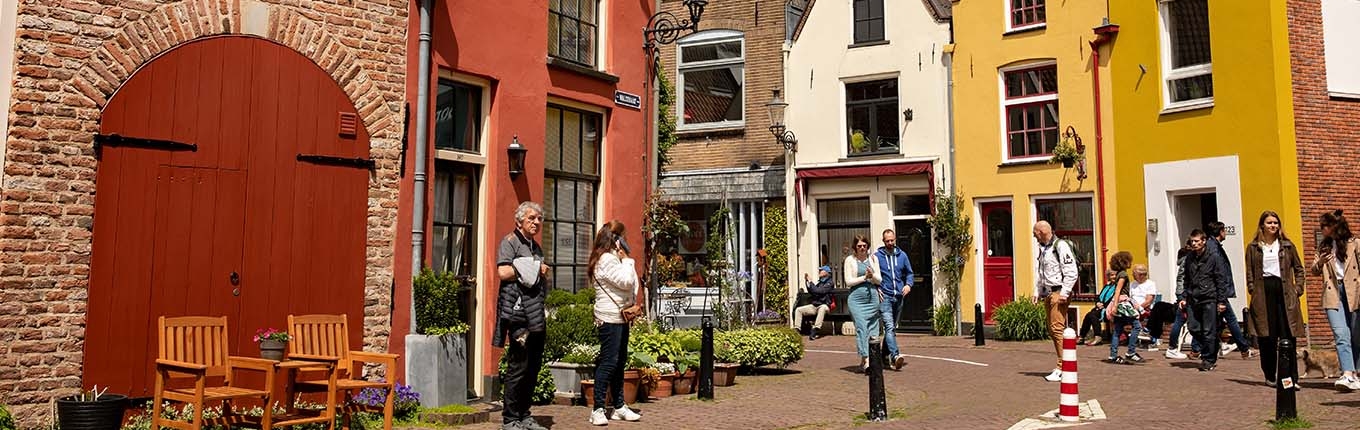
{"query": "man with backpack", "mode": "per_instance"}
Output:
(1056, 267)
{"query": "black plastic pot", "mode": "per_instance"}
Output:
(103, 414)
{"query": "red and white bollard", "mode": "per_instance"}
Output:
(1067, 403)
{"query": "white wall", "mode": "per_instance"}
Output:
(1341, 36)
(878, 190)
(1163, 184)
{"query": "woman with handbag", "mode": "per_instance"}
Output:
(617, 303)
(1122, 312)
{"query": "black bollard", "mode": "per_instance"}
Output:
(1285, 407)
(878, 399)
(977, 326)
(706, 361)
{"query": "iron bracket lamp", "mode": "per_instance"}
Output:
(664, 28)
(776, 108)
(517, 153)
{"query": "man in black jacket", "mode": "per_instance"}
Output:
(1206, 295)
(1217, 233)
(520, 313)
(819, 301)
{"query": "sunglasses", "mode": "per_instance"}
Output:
(862, 246)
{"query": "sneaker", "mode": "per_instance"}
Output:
(1055, 376)
(598, 418)
(899, 362)
(1095, 340)
(1270, 383)
(1223, 352)
(1112, 359)
(513, 425)
(1133, 358)
(814, 335)
(1354, 384)
(1347, 382)
(1250, 352)
(1205, 367)
(1155, 345)
(528, 423)
(1193, 355)
(623, 413)
(864, 365)
(1175, 354)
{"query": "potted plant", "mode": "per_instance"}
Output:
(272, 343)
(685, 374)
(1066, 153)
(577, 365)
(665, 382)
(92, 410)
(436, 354)
(768, 317)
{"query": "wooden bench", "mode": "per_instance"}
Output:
(841, 314)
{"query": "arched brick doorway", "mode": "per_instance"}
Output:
(265, 216)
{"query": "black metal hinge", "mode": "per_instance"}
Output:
(102, 140)
(365, 163)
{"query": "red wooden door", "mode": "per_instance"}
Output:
(998, 268)
(240, 226)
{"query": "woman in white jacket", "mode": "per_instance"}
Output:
(862, 276)
(617, 301)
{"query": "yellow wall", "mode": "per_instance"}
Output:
(981, 48)
(1251, 118)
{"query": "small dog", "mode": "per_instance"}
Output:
(1324, 360)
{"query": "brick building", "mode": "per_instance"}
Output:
(190, 158)
(1326, 88)
(723, 78)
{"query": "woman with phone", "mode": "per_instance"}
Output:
(861, 275)
(1336, 260)
(617, 302)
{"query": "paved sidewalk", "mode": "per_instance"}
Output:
(991, 387)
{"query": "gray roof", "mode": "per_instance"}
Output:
(763, 184)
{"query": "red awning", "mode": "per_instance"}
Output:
(896, 169)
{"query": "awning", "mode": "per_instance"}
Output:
(866, 171)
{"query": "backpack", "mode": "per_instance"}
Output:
(1076, 256)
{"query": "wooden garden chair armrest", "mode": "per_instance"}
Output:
(390, 360)
(250, 363)
(308, 360)
(180, 366)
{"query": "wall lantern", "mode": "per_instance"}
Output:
(776, 108)
(517, 153)
(664, 28)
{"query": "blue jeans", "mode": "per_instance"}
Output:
(1343, 326)
(610, 364)
(1176, 339)
(891, 307)
(865, 311)
(1117, 327)
(1231, 316)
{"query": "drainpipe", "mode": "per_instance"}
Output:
(1104, 34)
(422, 139)
(949, 111)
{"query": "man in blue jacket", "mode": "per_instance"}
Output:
(897, 280)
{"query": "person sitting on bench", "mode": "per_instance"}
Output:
(819, 302)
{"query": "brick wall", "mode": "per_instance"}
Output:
(71, 57)
(1327, 132)
(763, 25)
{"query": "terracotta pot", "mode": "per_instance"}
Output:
(664, 387)
(631, 380)
(588, 390)
(725, 374)
(684, 384)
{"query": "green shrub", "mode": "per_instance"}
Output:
(6, 420)
(780, 346)
(942, 320)
(568, 325)
(1021, 319)
(689, 340)
(656, 344)
(777, 260)
(437, 303)
(557, 298)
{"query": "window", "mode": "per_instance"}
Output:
(712, 71)
(1031, 108)
(1186, 67)
(1339, 34)
(838, 221)
(571, 178)
(458, 117)
(1072, 220)
(868, 21)
(1026, 13)
(871, 113)
(455, 206)
(572, 28)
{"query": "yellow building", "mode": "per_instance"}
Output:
(1023, 79)
(1205, 127)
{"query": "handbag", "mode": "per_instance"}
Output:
(831, 305)
(628, 317)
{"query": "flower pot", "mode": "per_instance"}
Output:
(631, 380)
(567, 377)
(103, 414)
(684, 383)
(588, 391)
(664, 386)
(1068, 163)
(725, 374)
(272, 349)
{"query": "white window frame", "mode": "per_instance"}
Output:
(478, 157)
(1341, 57)
(1170, 74)
(1006, 104)
(1011, 28)
(708, 38)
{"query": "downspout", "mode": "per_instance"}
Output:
(422, 139)
(1104, 34)
(952, 174)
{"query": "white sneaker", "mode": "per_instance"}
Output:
(1154, 346)
(1055, 376)
(598, 418)
(1347, 382)
(1223, 352)
(1175, 354)
(623, 413)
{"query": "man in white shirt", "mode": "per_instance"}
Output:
(1056, 267)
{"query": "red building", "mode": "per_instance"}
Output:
(555, 77)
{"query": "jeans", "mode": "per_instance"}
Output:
(864, 310)
(522, 364)
(891, 307)
(1342, 321)
(1231, 316)
(1117, 327)
(1181, 316)
(1203, 321)
(610, 364)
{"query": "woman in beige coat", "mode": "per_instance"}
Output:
(1275, 283)
(1338, 260)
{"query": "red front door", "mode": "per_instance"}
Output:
(243, 225)
(998, 268)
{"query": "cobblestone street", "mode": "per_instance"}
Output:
(991, 387)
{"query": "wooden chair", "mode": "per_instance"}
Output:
(196, 347)
(326, 337)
